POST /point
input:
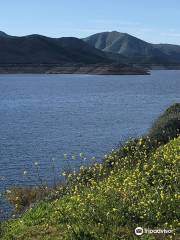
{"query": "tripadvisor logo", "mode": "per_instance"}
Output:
(139, 231)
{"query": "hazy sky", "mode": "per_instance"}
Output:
(156, 21)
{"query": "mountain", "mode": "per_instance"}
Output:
(3, 34)
(100, 48)
(134, 49)
(37, 49)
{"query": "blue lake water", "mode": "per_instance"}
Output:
(44, 116)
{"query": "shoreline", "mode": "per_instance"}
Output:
(91, 69)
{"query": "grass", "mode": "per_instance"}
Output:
(136, 185)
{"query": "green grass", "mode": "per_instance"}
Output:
(143, 194)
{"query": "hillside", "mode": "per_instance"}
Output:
(67, 55)
(106, 47)
(37, 49)
(100, 48)
(3, 34)
(135, 185)
(134, 49)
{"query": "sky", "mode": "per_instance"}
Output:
(156, 21)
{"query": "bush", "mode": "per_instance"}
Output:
(175, 108)
(24, 197)
(167, 126)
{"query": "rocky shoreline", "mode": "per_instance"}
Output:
(92, 69)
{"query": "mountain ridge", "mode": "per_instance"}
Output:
(3, 34)
(99, 48)
(137, 50)
(38, 49)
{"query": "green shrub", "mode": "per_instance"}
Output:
(23, 197)
(167, 126)
(175, 108)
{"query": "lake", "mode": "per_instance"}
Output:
(44, 116)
